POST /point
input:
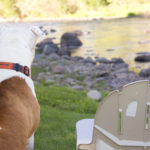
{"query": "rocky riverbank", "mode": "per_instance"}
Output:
(83, 73)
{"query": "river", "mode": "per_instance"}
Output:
(107, 38)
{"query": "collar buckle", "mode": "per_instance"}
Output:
(26, 70)
(17, 67)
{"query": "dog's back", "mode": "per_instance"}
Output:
(19, 114)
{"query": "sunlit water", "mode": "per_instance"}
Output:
(108, 38)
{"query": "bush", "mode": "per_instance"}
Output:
(8, 8)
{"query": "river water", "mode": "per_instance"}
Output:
(108, 38)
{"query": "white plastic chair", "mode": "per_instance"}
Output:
(122, 121)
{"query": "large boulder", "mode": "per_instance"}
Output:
(70, 42)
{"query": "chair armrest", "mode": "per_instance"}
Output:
(84, 131)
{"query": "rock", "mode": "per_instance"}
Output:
(41, 27)
(49, 49)
(70, 42)
(37, 56)
(64, 62)
(122, 70)
(117, 66)
(142, 58)
(58, 69)
(110, 50)
(102, 73)
(145, 72)
(88, 83)
(89, 60)
(78, 87)
(77, 58)
(99, 79)
(121, 75)
(54, 56)
(67, 57)
(82, 73)
(49, 81)
(102, 60)
(70, 81)
(46, 32)
(62, 52)
(113, 85)
(78, 32)
(117, 60)
(94, 94)
(52, 30)
(103, 67)
(113, 60)
(47, 46)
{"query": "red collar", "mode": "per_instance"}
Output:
(15, 66)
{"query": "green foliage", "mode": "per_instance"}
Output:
(68, 7)
(72, 8)
(96, 3)
(8, 8)
(132, 14)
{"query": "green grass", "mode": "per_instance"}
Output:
(57, 129)
(61, 108)
(64, 98)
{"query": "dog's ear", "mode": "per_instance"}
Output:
(37, 31)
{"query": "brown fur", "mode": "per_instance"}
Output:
(19, 114)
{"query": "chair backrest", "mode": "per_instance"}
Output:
(125, 115)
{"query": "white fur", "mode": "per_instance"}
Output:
(30, 143)
(37, 31)
(17, 45)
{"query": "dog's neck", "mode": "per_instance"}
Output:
(18, 55)
(11, 54)
(17, 46)
(16, 50)
(14, 58)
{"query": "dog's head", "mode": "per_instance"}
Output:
(21, 39)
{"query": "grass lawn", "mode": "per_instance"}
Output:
(61, 108)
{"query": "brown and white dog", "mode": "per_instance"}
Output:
(19, 109)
